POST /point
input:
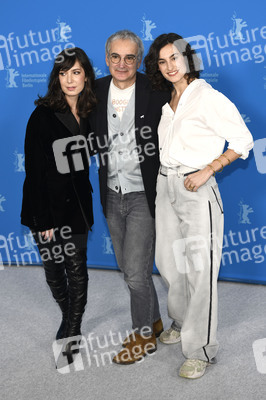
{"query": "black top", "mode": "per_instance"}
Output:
(50, 198)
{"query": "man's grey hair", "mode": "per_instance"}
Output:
(124, 35)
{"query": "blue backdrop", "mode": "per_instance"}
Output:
(230, 37)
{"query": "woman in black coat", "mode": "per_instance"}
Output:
(57, 202)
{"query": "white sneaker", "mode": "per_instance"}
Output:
(193, 369)
(170, 336)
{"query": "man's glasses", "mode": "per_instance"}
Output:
(129, 59)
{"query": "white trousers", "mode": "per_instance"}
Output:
(189, 235)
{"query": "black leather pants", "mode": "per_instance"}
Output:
(66, 273)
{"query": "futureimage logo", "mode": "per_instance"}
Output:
(237, 247)
(259, 351)
(71, 154)
(240, 42)
(190, 251)
(17, 250)
(260, 155)
(2, 199)
(18, 51)
(92, 351)
(243, 246)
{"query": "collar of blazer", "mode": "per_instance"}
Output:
(142, 95)
(70, 122)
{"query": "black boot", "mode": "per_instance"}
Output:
(55, 276)
(61, 333)
(77, 275)
(57, 281)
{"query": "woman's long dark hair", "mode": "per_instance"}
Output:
(151, 60)
(55, 97)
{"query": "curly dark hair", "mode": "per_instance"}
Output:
(55, 97)
(151, 60)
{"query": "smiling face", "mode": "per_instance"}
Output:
(72, 81)
(172, 64)
(124, 75)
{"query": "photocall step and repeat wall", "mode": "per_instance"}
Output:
(230, 38)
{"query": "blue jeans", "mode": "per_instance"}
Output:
(132, 230)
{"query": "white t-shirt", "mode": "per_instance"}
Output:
(120, 98)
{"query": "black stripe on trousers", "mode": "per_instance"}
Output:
(211, 278)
